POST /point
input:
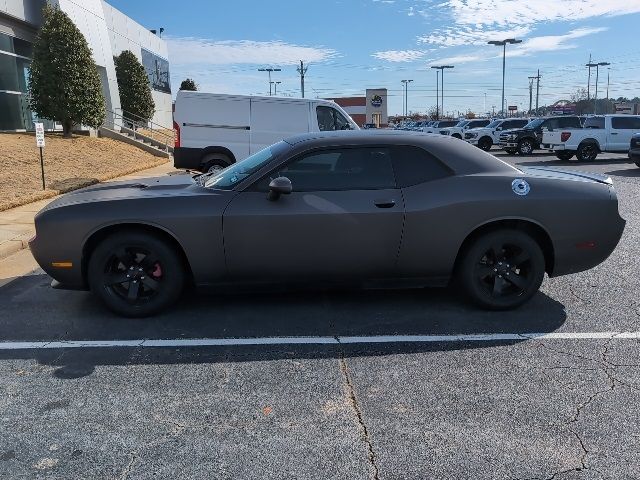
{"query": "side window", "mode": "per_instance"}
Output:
(625, 123)
(518, 123)
(414, 165)
(569, 122)
(330, 119)
(594, 122)
(336, 169)
(326, 122)
(509, 124)
(551, 124)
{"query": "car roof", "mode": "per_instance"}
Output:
(460, 156)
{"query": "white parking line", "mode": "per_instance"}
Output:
(220, 342)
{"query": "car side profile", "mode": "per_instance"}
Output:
(378, 208)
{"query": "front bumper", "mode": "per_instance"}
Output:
(509, 144)
(634, 154)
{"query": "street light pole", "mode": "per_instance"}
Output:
(406, 96)
(269, 70)
(275, 87)
(597, 65)
(441, 68)
(503, 44)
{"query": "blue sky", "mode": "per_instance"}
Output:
(352, 45)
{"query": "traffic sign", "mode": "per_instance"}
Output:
(39, 134)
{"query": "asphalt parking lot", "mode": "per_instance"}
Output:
(378, 384)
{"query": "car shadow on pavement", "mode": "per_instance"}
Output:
(633, 173)
(561, 163)
(79, 316)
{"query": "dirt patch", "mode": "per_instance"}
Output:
(69, 164)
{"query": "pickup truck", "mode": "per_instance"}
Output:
(602, 133)
(437, 125)
(634, 149)
(463, 126)
(524, 141)
(486, 137)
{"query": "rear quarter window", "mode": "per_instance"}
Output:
(413, 166)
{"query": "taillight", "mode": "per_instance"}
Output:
(564, 136)
(176, 128)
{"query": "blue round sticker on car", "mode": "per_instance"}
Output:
(520, 186)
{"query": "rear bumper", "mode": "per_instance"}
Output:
(553, 147)
(188, 158)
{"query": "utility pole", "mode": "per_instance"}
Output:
(269, 70)
(530, 93)
(437, 94)
(537, 90)
(302, 70)
(608, 70)
(589, 79)
(597, 67)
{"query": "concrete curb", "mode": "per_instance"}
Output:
(15, 245)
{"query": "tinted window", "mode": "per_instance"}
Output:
(569, 122)
(594, 122)
(337, 169)
(517, 123)
(414, 165)
(447, 123)
(478, 123)
(626, 123)
(551, 123)
(330, 119)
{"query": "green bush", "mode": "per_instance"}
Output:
(135, 90)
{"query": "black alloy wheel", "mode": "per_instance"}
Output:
(485, 143)
(525, 147)
(135, 274)
(501, 270)
(587, 152)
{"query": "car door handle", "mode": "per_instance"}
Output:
(614, 133)
(385, 203)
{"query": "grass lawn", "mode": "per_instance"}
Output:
(68, 164)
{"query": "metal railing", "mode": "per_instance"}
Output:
(140, 128)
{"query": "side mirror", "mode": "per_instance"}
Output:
(279, 186)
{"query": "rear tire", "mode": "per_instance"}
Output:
(501, 270)
(564, 155)
(214, 162)
(485, 143)
(135, 274)
(587, 152)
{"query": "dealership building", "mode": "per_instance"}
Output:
(107, 31)
(370, 109)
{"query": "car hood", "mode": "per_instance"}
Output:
(563, 174)
(168, 185)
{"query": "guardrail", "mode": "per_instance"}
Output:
(140, 128)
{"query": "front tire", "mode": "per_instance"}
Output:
(525, 147)
(501, 270)
(135, 274)
(485, 143)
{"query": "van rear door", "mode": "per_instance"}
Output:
(273, 120)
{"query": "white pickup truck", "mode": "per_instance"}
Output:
(601, 133)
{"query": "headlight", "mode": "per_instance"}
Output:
(472, 135)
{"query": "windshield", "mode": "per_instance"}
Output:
(462, 123)
(495, 123)
(233, 174)
(534, 123)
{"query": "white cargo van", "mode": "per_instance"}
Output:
(214, 131)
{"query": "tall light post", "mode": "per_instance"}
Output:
(269, 70)
(597, 65)
(441, 68)
(503, 44)
(406, 96)
(275, 87)
(437, 94)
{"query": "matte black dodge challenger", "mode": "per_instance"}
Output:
(354, 208)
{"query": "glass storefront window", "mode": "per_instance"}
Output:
(14, 112)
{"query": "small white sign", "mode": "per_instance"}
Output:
(39, 134)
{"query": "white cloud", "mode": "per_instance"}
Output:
(190, 51)
(399, 55)
(458, 59)
(553, 42)
(453, 37)
(517, 12)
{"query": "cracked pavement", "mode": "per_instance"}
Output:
(526, 408)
